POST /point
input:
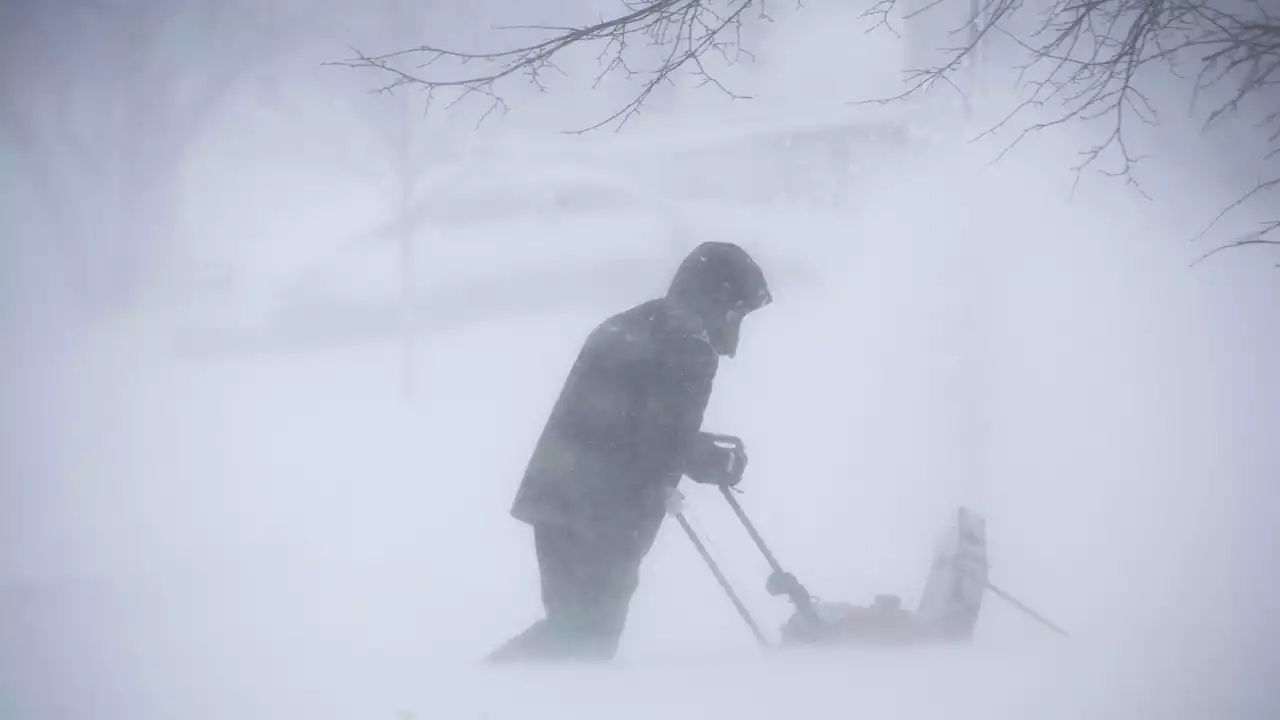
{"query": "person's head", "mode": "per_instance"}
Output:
(722, 284)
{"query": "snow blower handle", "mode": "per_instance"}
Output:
(751, 530)
(780, 582)
(721, 579)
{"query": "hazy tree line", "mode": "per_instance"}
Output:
(1080, 61)
(101, 102)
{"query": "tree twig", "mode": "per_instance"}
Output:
(686, 30)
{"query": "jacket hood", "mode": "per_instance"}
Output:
(722, 284)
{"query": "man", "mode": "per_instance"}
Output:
(626, 427)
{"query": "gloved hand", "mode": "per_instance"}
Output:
(716, 460)
(780, 584)
(674, 501)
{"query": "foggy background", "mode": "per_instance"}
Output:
(231, 488)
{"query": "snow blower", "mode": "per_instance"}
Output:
(947, 613)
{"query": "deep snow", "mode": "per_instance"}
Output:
(284, 537)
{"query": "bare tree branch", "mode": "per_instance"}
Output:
(686, 30)
(1251, 239)
(1256, 237)
(1087, 61)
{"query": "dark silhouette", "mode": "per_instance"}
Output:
(625, 429)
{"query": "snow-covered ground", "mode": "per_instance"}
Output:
(283, 537)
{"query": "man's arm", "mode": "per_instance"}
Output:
(678, 393)
(699, 455)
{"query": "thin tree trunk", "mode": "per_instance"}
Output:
(407, 279)
(408, 176)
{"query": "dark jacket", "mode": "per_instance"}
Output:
(617, 435)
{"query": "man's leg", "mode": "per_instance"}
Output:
(587, 586)
(584, 592)
(546, 638)
(608, 578)
(603, 606)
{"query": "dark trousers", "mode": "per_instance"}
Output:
(587, 584)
